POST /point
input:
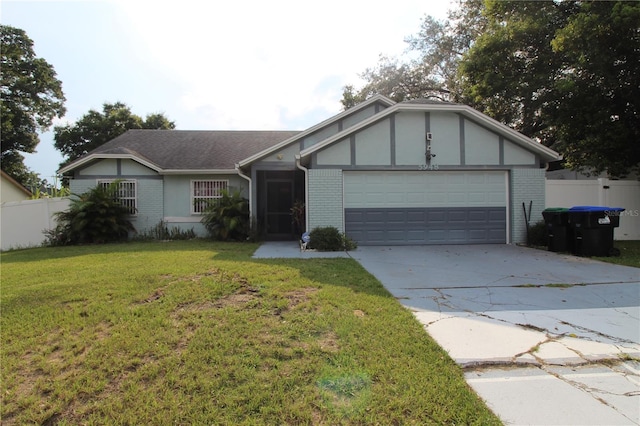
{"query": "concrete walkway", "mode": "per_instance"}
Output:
(544, 339)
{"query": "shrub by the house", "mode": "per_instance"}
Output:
(94, 217)
(330, 239)
(227, 218)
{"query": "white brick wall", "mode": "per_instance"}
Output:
(325, 198)
(526, 185)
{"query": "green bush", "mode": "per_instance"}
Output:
(330, 239)
(227, 218)
(537, 235)
(92, 218)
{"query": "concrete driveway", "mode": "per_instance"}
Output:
(544, 338)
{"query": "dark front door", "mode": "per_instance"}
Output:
(279, 202)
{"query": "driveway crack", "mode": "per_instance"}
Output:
(591, 390)
(597, 333)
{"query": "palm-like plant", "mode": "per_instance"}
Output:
(95, 216)
(227, 218)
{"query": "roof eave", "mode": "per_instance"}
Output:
(92, 157)
(17, 184)
(199, 172)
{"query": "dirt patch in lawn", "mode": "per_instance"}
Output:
(299, 296)
(328, 342)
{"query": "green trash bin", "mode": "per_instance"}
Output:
(559, 235)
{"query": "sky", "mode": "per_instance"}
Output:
(212, 65)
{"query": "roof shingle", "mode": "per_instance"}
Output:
(193, 149)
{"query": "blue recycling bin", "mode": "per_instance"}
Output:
(592, 228)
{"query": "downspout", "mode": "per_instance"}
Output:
(242, 175)
(306, 192)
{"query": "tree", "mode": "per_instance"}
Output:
(598, 121)
(31, 98)
(510, 70)
(96, 128)
(565, 73)
(432, 74)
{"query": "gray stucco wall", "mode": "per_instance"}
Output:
(325, 199)
(526, 185)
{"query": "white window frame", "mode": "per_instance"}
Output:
(206, 190)
(124, 193)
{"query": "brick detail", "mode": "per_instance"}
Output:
(80, 186)
(325, 198)
(526, 185)
(150, 204)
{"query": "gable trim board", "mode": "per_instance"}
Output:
(470, 193)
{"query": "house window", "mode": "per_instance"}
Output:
(203, 192)
(126, 193)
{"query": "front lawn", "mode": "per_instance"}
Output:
(199, 333)
(629, 254)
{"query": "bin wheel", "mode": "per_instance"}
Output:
(614, 252)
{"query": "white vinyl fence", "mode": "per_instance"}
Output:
(22, 222)
(600, 192)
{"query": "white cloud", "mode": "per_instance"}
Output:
(257, 64)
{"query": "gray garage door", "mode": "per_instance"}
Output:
(386, 208)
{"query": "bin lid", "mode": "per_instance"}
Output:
(595, 209)
(556, 209)
(588, 209)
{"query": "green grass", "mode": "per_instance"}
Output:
(199, 333)
(629, 254)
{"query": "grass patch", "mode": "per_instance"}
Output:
(194, 332)
(629, 254)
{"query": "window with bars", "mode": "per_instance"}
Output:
(126, 193)
(203, 192)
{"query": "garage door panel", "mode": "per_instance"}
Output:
(436, 237)
(460, 216)
(417, 217)
(427, 225)
(478, 216)
(496, 216)
(416, 235)
(435, 216)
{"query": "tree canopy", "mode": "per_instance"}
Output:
(564, 73)
(435, 53)
(31, 98)
(96, 128)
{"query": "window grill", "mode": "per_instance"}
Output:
(204, 192)
(126, 193)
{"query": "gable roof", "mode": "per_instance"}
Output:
(181, 151)
(426, 105)
(21, 188)
(377, 98)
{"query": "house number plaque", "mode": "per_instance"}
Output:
(428, 167)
